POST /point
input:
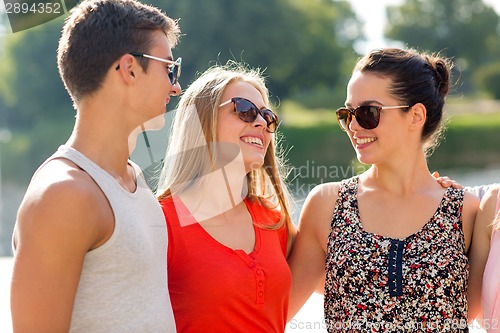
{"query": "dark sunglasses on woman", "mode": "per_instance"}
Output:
(248, 112)
(367, 116)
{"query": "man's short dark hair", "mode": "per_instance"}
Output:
(98, 32)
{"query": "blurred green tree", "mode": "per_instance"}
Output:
(466, 30)
(488, 78)
(29, 81)
(33, 101)
(302, 45)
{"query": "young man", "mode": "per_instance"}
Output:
(90, 239)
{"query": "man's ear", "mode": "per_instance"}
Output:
(418, 115)
(126, 67)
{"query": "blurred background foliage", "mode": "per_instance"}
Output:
(306, 47)
(308, 51)
(466, 30)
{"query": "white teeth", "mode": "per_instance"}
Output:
(253, 140)
(365, 140)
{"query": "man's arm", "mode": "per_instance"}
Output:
(57, 224)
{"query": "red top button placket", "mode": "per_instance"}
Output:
(258, 272)
(261, 283)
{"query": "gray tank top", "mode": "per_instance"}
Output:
(123, 284)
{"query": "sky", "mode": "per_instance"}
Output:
(372, 12)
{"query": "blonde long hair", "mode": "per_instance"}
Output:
(189, 157)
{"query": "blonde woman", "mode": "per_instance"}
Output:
(226, 207)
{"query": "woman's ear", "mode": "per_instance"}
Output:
(418, 115)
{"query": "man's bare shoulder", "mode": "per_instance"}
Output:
(60, 182)
(62, 198)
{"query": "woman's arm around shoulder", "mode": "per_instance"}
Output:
(307, 260)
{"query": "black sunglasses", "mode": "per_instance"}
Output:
(367, 116)
(248, 112)
(174, 68)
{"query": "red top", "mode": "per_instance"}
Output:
(214, 288)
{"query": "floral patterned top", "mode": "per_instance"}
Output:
(381, 284)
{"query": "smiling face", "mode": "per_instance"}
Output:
(251, 138)
(376, 145)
